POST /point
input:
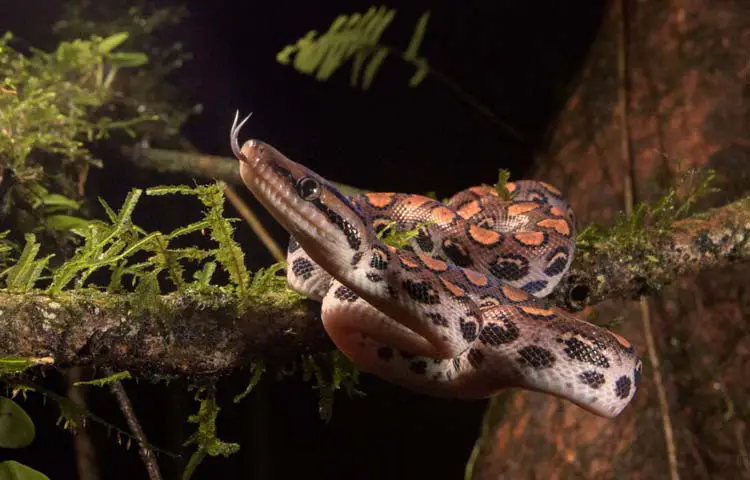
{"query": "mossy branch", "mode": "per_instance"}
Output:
(195, 335)
(202, 333)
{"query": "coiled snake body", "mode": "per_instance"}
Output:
(457, 312)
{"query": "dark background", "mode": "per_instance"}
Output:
(520, 60)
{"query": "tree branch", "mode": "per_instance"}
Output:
(712, 239)
(179, 334)
(202, 335)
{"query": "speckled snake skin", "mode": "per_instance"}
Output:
(457, 312)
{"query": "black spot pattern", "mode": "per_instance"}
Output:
(374, 277)
(456, 253)
(424, 241)
(385, 353)
(353, 236)
(496, 334)
(540, 317)
(293, 245)
(419, 367)
(406, 355)
(421, 292)
(475, 358)
(379, 223)
(438, 319)
(468, 329)
(302, 268)
(535, 286)
(345, 294)
(456, 363)
(538, 196)
(578, 350)
(488, 301)
(637, 372)
(356, 258)
(559, 258)
(536, 357)
(379, 259)
(488, 223)
(592, 379)
(535, 246)
(510, 267)
(622, 387)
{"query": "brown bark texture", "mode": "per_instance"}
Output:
(689, 104)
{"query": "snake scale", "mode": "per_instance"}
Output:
(458, 312)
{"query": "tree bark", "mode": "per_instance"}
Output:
(687, 85)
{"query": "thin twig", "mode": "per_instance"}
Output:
(85, 451)
(739, 433)
(630, 194)
(252, 220)
(147, 455)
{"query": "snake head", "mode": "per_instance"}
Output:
(322, 219)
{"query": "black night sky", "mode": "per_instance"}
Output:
(519, 59)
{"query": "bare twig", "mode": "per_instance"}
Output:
(147, 455)
(254, 224)
(224, 169)
(174, 161)
(630, 196)
(84, 447)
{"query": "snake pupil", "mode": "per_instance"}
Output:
(308, 188)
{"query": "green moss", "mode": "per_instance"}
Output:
(101, 382)
(639, 231)
(205, 438)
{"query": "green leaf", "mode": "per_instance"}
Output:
(65, 222)
(13, 365)
(57, 200)
(128, 59)
(24, 274)
(502, 179)
(112, 42)
(16, 428)
(12, 470)
(256, 370)
(205, 436)
(101, 382)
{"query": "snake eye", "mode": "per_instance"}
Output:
(308, 188)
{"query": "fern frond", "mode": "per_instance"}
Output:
(357, 37)
(27, 270)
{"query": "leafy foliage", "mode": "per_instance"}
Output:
(650, 220)
(12, 365)
(47, 106)
(150, 91)
(343, 375)
(357, 37)
(114, 244)
(503, 176)
(205, 436)
(390, 235)
(16, 428)
(229, 254)
(12, 470)
(101, 382)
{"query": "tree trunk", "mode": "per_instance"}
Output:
(688, 97)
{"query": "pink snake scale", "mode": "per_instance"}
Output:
(458, 312)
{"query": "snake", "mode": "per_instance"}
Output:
(459, 311)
